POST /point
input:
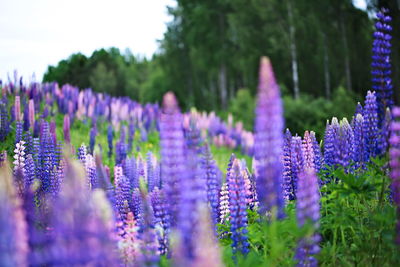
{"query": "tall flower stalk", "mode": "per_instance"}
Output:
(269, 141)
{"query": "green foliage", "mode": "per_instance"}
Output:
(242, 108)
(307, 113)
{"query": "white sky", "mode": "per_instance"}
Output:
(38, 33)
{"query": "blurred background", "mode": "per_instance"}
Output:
(206, 51)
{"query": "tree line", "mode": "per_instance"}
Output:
(211, 50)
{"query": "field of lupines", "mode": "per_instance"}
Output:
(92, 180)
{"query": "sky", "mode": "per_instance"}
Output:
(38, 33)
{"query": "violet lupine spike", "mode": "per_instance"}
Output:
(172, 143)
(27, 137)
(317, 152)
(193, 194)
(269, 139)
(29, 171)
(137, 207)
(150, 171)
(238, 210)
(383, 143)
(90, 167)
(359, 144)
(223, 204)
(287, 165)
(307, 210)
(212, 181)
(129, 168)
(150, 255)
(82, 224)
(67, 129)
(308, 151)
(18, 131)
(110, 137)
(162, 224)
(331, 142)
(297, 161)
(26, 119)
(92, 139)
(13, 230)
(346, 144)
(370, 126)
(82, 152)
(131, 135)
(394, 162)
(4, 122)
(381, 64)
(122, 190)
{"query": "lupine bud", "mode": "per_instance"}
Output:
(287, 165)
(359, 144)
(17, 108)
(224, 204)
(31, 113)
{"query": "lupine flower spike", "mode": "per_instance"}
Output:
(269, 140)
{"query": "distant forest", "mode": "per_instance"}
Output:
(211, 49)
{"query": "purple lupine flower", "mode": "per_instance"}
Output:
(13, 230)
(27, 137)
(307, 210)
(238, 209)
(161, 219)
(359, 144)
(297, 165)
(371, 132)
(345, 153)
(137, 207)
(26, 119)
(104, 182)
(12, 114)
(121, 150)
(82, 224)
(213, 183)
(394, 162)
(82, 152)
(29, 171)
(330, 142)
(269, 140)
(110, 137)
(131, 135)
(381, 64)
(4, 122)
(383, 142)
(90, 167)
(317, 152)
(67, 129)
(150, 171)
(193, 194)
(18, 131)
(92, 141)
(172, 153)
(150, 255)
(287, 165)
(308, 152)
(46, 157)
(129, 168)
(122, 190)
